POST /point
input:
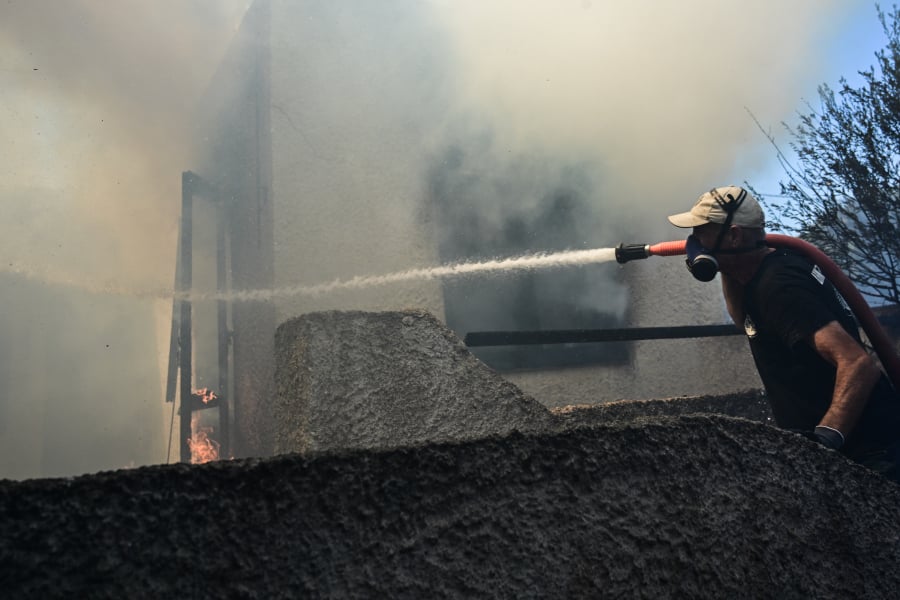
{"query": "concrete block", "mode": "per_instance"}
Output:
(387, 379)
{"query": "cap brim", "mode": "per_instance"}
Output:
(687, 220)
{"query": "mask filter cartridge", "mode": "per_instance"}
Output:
(700, 261)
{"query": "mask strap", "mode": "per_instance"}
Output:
(730, 207)
(744, 249)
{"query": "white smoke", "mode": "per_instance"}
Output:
(648, 99)
(657, 93)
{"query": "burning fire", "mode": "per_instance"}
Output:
(203, 448)
(204, 395)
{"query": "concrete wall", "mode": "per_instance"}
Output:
(700, 506)
(353, 379)
(350, 127)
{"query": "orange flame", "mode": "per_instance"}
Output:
(203, 448)
(204, 395)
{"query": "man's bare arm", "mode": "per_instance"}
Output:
(856, 375)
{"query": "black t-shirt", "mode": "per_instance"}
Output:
(786, 302)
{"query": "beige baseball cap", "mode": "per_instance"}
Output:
(710, 208)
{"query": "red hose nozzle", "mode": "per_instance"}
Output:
(628, 252)
(668, 248)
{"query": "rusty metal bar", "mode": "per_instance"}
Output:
(184, 287)
(222, 327)
(175, 331)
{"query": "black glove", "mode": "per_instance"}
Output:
(827, 436)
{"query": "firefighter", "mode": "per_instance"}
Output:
(819, 379)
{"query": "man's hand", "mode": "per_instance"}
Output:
(827, 436)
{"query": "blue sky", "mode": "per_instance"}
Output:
(852, 49)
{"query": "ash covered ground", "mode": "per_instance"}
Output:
(632, 499)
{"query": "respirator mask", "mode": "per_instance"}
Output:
(701, 261)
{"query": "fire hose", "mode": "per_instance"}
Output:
(880, 341)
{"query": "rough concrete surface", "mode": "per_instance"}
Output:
(383, 379)
(748, 404)
(692, 506)
(639, 500)
(354, 379)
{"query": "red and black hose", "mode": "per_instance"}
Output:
(880, 341)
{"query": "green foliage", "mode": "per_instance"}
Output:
(843, 194)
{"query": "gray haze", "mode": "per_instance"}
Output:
(95, 98)
(633, 108)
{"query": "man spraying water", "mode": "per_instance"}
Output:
(819, 379)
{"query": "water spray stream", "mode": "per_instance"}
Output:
(48, 276)
(521, 263)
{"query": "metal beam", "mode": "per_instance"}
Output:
(184, 287)
(589, 336)
(222, 327)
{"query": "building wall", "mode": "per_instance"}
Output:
(661, 293)
(323, 122)
(350, 126)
